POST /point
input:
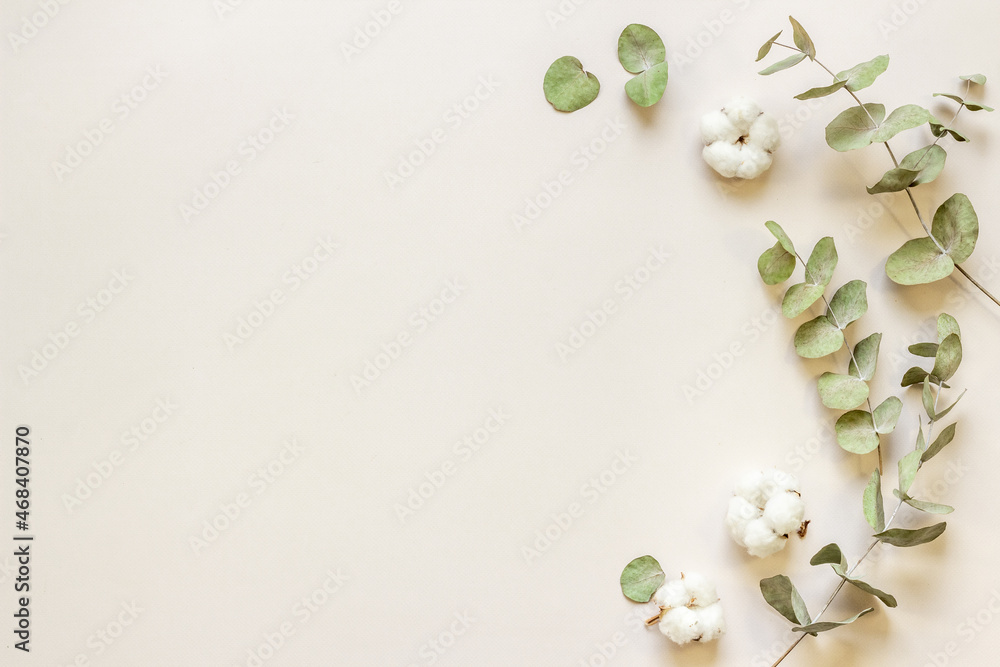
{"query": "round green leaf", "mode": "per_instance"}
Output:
(848, 304)
(894, 180)
(948, 357)
(818, 338)
(886, 415)
(947, 325)
(956, 227)
(842, 392)
(780, 234)
(854, 128)
(647, 88)
(856, 432)
(905, 117)
(822, 261)
(929, 161)
(799, 297)
(641, 578)
(864, 75)
(567, 87)
(866, 354)
(917, 262)
(781, 594)
(775, 265)
(640, 48)
(974, 78)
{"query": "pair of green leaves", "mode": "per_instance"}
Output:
(781, 594)
(875, 510)
(864, 125)
(856, 78)
(803, 43)
(568, 87)
(947, 355)
(833, 556)
(954, 233)
(641, 577)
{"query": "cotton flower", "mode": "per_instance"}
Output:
(690, 609)
(739, 139)
(766, 508)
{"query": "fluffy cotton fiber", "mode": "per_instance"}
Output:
(691, 608)
(739, 139)
(766, 508)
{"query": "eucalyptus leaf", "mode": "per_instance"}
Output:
(972, 106)
(913, 376)
(780, 593)
(947, 325)
(641, 578)
(924, 350)
(848, 304)
(894, 180)
(902, 537)
(923, 505)
(928, 399)
(568, 87)
(948, 357)
(790, 61)
(954, 98)
(929, 161)
(917, 262)
(822, 261)
(942, 441)
(824, 626)
(640, 48)
(873, 503)
(780, 234)
(821, 91)
(832, 555)
(908, 467)
(818, 338)
(855, 128)
(799, 298)
(939, 130)
(766, 48)
(974, 78)
(842, 392)
(956, 227)
(887, 600)
(864, 75)
(944, 413)
(886, 415)
(921, 441)
(647, 88)
(866, 355)
(905, 117)
(776, 265)
(802, 39)
(856, 432)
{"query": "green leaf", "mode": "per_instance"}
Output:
(948, 358)
(790, 61)
(866, 354)
(942, 441)
(905, 117)
(848, 304)
(927, 398)
(947, 325)
(775, 265)
(832, 555)
(972, 106)
(802, 39)
(856, 432)
(799, 298)
(822, 262)
(780, 234)
(824, 626)
(640, 48)
(641, 578)
(919, 167)
(864, 75)
(956, 227)
(921, 442)
(902, 537)
(894, 180)
(886, 599)
(944, 413)
(821, 91)
(923, 505)
(924, 349)
(842, 392)
(939, 130)
(908, 467)
(818, 338)
(647, 88)
(764, 50)
(913, 376)
(974, 78)
(873, 503)
(886, 415)
(855, 128)
(917, 262)
(569, 88)
(779, 592)
(954, 98)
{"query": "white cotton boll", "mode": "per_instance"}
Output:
(713, 623)
(751, 488)
(761, 540)
(764, 133)
(742, 112)
(753, 163)
(716, 126)
(681, 625)
(741, 512)
(722, 157)
(784, 513)
(700, 589)
(776, 481)
(672, 594)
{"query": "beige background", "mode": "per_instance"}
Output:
(468, 309)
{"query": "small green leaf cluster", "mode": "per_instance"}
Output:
(641, 52)
(857, 430)
(952, 238)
